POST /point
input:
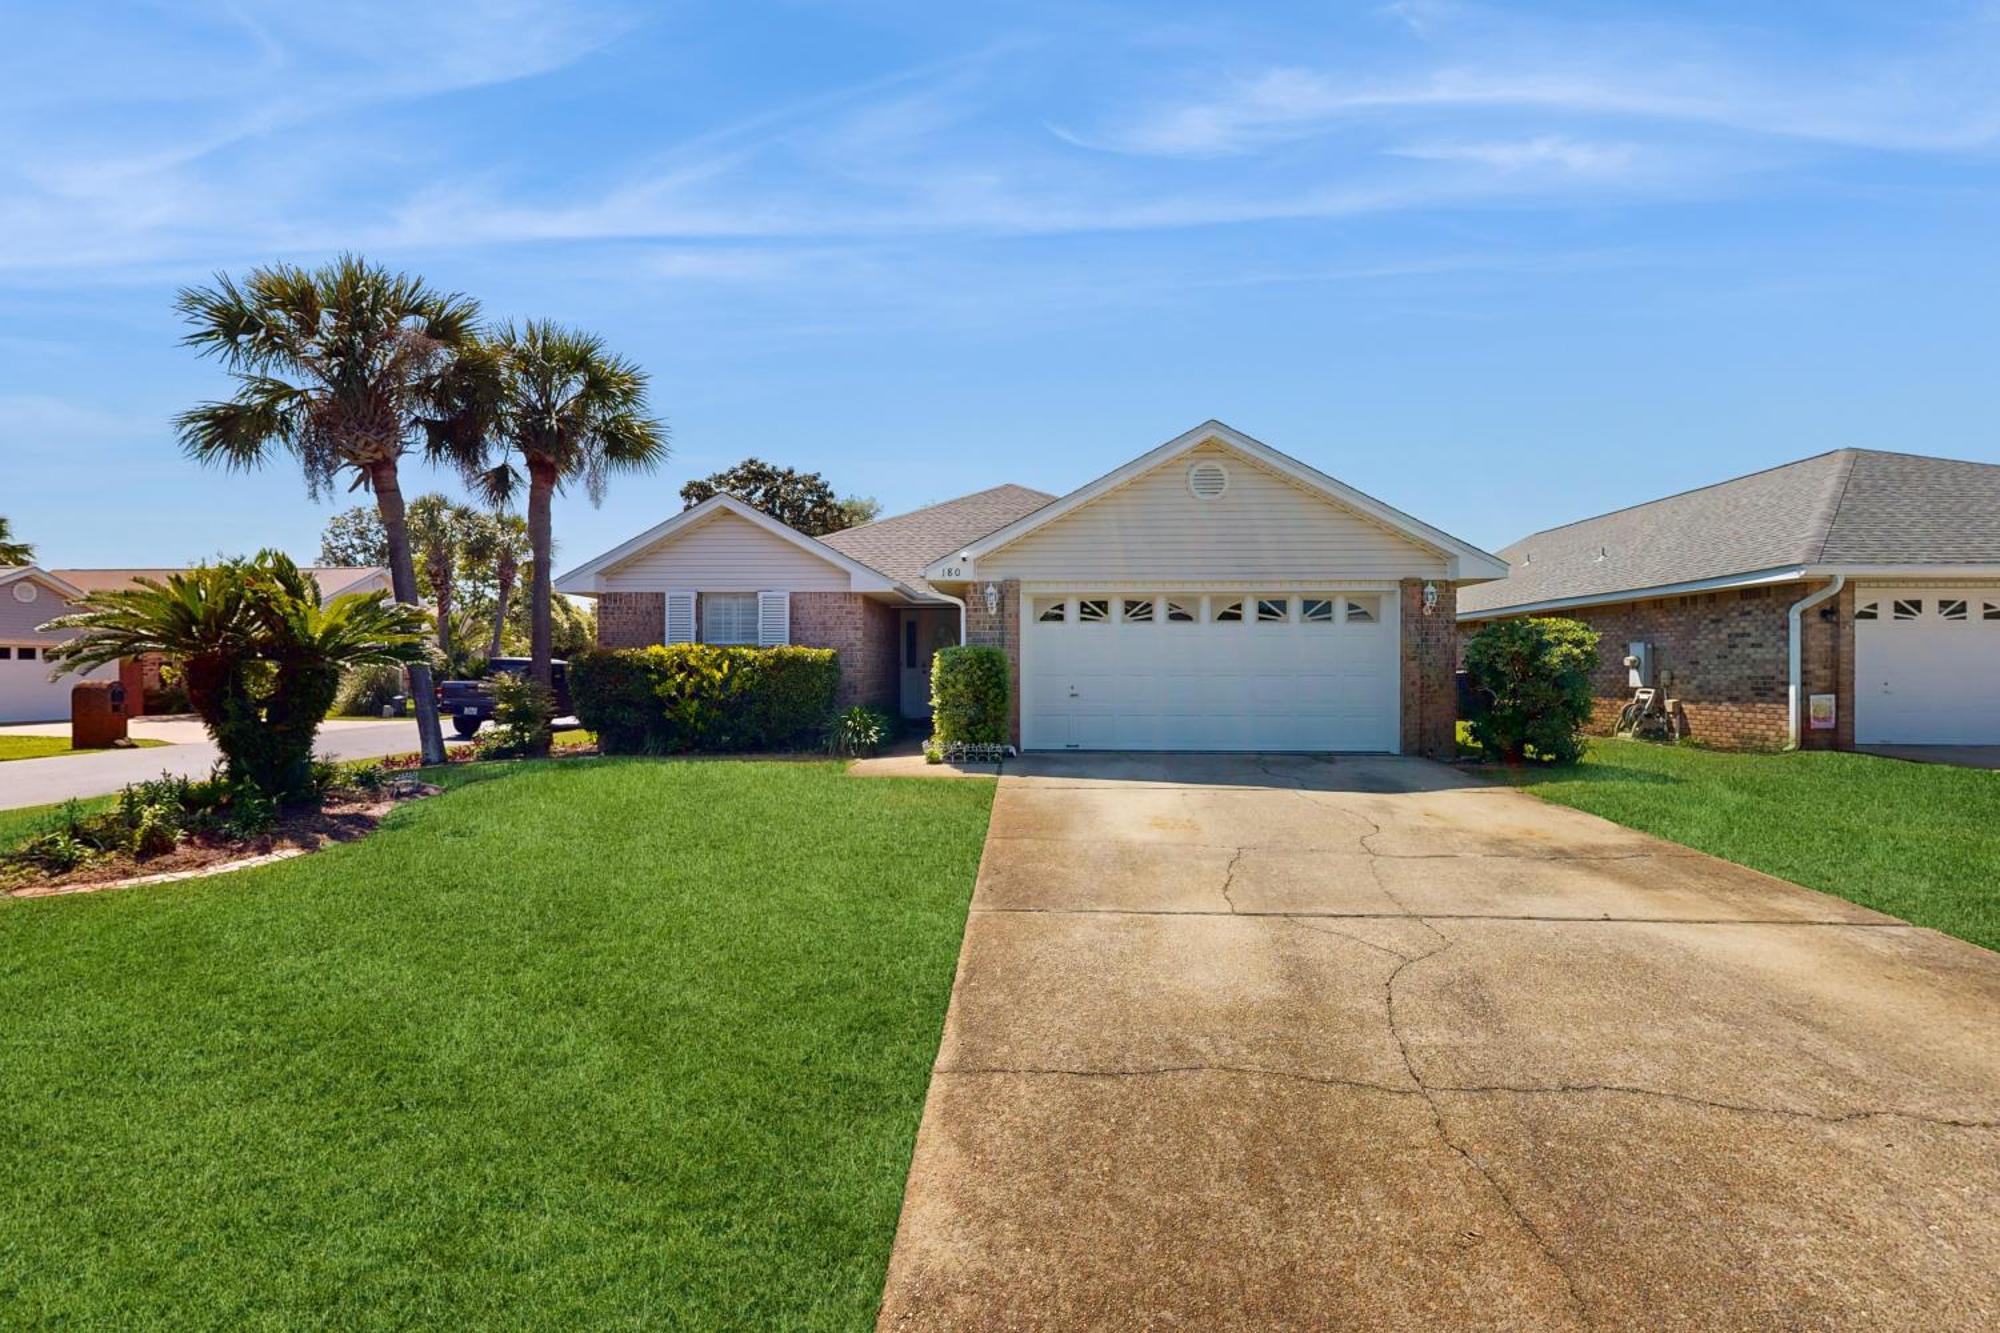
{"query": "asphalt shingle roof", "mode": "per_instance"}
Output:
(904, 545)
(1850, 506)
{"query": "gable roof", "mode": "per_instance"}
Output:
(1839, 509)
(47, 578)
(903, 545)
(583, 579)
(1466, 561)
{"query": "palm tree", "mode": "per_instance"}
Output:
(262, 658)
(569, 410)
(346, 367)
(11, 551)
(498, 542)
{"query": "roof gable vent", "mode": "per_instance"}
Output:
(1207, 479)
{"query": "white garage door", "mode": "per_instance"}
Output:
(26, 692)
(1927, 666)
(1182, 671)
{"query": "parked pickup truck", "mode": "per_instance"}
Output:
(467, 703)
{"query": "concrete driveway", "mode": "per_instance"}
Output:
(1358, 1044)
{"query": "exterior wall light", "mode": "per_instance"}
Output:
(992, 599)
(1430, 598)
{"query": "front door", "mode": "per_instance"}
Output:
(922, 633)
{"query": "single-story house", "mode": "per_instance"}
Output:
(1851, 598)
(1211, 594)
(31, 596)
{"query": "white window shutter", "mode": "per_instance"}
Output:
(774, 619)
(680, 617)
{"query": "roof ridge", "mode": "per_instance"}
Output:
(1829, 513)
(1692, 490)
(939, 504)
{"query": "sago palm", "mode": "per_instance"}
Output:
(565, 410)
(347, 367)
(262, 658)
(11, 551)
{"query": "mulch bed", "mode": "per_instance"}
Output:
(199, 854)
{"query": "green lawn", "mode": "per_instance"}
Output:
(39, 747)
(1918, 841)
(584, 1043)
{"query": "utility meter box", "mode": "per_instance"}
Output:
(97, 714)
(1639, 665)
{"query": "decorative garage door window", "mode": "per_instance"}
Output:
(1317, 611)
(1093, 610)
(1050, 610)
(1906, 609)
(1228, 609)
(1363, 610)
(1273, 610)
(1867, 611)
(1992, 611)
(1952, 608)
(1182, 610)
(1138, 610)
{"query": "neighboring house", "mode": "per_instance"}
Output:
(1851, 598)
(1212, 594)
(31, 596)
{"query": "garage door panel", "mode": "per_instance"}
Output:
(1230, 685)
(1927, 666)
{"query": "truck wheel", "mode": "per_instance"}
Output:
(465, 727)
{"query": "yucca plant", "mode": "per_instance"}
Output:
(261, 658)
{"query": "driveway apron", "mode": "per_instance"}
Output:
(1362, 1044)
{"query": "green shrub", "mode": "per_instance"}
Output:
(683, 697)
(969, 696)
(523, 711)
(1536, 675)
(366, 690)
(857, 732)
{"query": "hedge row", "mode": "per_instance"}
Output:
(684, 697)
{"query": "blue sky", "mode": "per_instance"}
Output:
(1502, 266)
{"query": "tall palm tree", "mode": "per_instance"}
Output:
(498, 542)
(11, 551)
(567, 410)
(346, 367)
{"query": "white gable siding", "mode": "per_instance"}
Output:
(20, 620)
(1263, 526)
(724, 554)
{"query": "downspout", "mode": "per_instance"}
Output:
(1795, 652)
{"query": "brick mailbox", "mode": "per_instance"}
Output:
(97, 714)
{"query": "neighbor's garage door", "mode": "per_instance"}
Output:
(1175, 671)
(1927, 666)
(26, 692)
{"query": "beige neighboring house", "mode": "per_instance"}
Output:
(31, 596)
(1211, 594)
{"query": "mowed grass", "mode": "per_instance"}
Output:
(1918, 841)
(578, 1044)
(40, 747)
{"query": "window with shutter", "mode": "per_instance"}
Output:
(774, 619)
(680, 617)
(729, 618)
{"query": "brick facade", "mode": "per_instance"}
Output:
(631, 619)
(1429, 669)
(863, 632)
(1723, 655)
(1001, 629)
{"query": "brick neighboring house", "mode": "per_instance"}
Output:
(1880, 570)
(1211, 594)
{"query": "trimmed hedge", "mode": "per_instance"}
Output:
(1535, 673)
(681, 697)
(969, 696)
